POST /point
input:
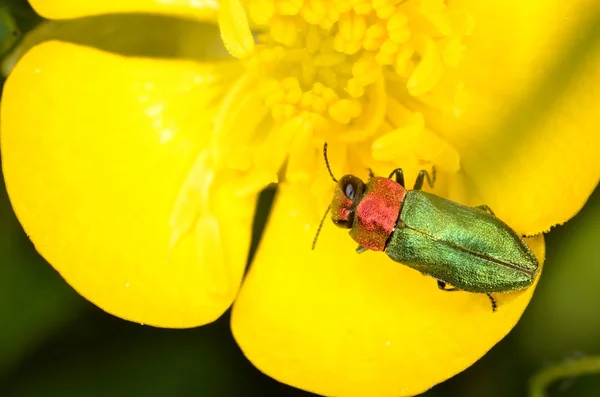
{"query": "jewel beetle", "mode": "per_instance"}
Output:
(465, 247)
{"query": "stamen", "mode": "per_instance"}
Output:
(346, 71)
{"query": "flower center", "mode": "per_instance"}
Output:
(359, 74)
(325, 56)
(355, 70)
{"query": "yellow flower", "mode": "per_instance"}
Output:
(137, 177)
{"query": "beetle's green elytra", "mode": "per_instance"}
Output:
(462, 246)
(467, 248)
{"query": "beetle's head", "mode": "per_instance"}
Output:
(348, 193)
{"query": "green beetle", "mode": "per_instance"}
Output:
(468, 248)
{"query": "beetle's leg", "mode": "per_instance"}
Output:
(421, 178)
(371, 174)
(360, 249)
(442, 286)
(399, 175)
(485, 208)
(493, 301)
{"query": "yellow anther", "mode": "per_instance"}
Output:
(345, 27)
(313, 11)
(366, 69)
(402, 64)
(261, 11)
(294, 55)
(305, 115)
(329, 77)
(397, 27)
(289, 83)
(389, 47)
(344, 110)
(307, 99)
(309, 71)
(359, 28)
(374, 36)
(268, 87)
(270, 55)
(387, 53)
(318, 105)
(343, 5)
(385, 11)
(283, 111)
(327, 46)
(363, 7)
(319, 122)
(277, 112)
(352, 27)
(288, 7)
(289, 111)
(313, 39)
(330, 19)
(429, 71)
(347, 47)
(329, 60)
(380, 3)
(329, 95)
(284, 30)
(275, 97)
(384, 59)
(355, 89)
(318, 88)
(294, 95)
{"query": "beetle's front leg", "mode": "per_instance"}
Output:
(398, 175)
(360, 249)
(421, 178)
(443, 287)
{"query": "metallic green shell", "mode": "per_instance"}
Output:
(462, 246)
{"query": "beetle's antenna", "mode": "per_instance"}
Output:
(328, 168)
(320, 224)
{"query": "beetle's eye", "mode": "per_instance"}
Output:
(349, 191)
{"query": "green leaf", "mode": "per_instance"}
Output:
(106, 356)
(34, 300)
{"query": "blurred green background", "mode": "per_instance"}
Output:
(54, 343)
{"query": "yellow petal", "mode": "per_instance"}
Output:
(63, 9)
(528, 138)
(96, 148)
(337, 323)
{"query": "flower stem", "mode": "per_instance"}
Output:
(568, 369)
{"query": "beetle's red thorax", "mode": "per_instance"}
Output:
(376, 214)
